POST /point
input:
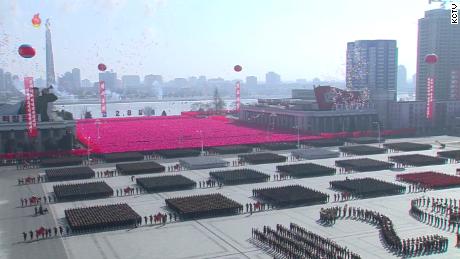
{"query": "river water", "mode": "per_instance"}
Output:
(123, 108)
(170, 107)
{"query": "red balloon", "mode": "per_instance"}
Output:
(36, 21)
(431, 58)
(101, 67)
(237, 68)
(26, 51)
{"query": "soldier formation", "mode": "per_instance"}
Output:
(416, 246)
(442, 213)
(297, 242)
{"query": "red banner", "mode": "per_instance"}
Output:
(238, 96)
(30, 107)
(103, 100)
(429, 99)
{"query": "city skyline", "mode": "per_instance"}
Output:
(179, 39)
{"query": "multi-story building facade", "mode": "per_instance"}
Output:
(373, 64)
(437, 35)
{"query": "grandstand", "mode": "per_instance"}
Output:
(117, 135)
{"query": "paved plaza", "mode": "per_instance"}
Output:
(221, 237)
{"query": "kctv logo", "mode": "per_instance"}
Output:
(454, 13)
(453, 8)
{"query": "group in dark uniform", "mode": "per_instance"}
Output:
(406, 247)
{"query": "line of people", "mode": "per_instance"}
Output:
(417, 188)
(297, 242)
(28, 164)
(39, 210)
(44, 233)
(160, 218)
(343, 196)
(175, 168)
(209, 183)
(128, 191)
(238, 162)
(31, 179)
(106, 173)
(408, 247)
(257, 206)
(35, 200)
(443, 215)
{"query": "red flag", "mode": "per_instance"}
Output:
(103, 99)
(30, 107)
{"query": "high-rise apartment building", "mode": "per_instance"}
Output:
(373, 64)
(436, 35)
(272, 78)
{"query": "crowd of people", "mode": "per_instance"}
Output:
(444, 212)
(238, 162)
(31, 179)
(160, 218)
(28, 164)
(406, 247)
(343, 196)
(128, 191)
(43, 233)
(106, 173)
(175, 168)
(297, 242)
(257, 206)
(209, 183)
(35, 200)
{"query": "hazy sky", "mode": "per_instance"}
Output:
(181, 38)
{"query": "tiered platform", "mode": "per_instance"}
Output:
(314, 153)
(165, 183)
(202, 162)
(262, 158)
(69, 173)
(293, 195)
(176, 153)
(305, 170)
(365, 140)
(368, 187)
(61, 161)
(82, 191)
(140, 168)
(417, 160)
(279, 146)
(199, 206)
(431, 180)
(224, 150)
(239, 176)
(361, 150)
(451, 154)
(363, 165)
(332, 142)
(101, 217)
(153, 133)
(123, 157)
(407, 146)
